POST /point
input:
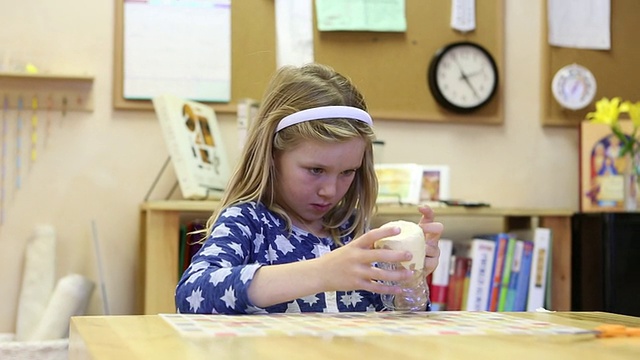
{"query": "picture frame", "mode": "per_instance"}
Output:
(412, 183)
(435, 183)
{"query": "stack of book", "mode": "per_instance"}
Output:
(493, 272)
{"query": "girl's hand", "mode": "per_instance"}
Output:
(351, 266)
(432, 232)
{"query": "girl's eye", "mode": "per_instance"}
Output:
(349, 172)
(315, 171)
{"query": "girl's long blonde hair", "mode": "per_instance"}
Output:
(293, 89)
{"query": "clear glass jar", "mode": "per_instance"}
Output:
(414, 295)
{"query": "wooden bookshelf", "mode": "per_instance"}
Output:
(160, 222)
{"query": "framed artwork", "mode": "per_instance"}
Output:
(435, 183)
(412, 183)
(601, 168)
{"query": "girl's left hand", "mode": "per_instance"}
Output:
(432, 232)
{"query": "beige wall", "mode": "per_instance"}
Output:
(99, 165)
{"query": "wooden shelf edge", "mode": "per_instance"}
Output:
(61, 77)
(383, 210)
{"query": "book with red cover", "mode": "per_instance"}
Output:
(456, 281)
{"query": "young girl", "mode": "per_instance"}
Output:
(290, 234)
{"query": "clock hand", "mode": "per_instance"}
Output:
(464, 77)
(476, 73)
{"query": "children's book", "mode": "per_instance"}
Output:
(506, 274)
(516, 268)
(539, 268)
(501, 241)
(195, 145)
(482, 257)
(440, 276)
(522, 287)
(455, 293)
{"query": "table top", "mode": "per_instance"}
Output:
(154, 337)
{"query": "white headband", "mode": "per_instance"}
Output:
(325, 112)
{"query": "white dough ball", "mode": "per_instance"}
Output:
(410, 238)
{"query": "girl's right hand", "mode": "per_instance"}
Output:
(350, 267)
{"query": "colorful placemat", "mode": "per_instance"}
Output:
(364, 324)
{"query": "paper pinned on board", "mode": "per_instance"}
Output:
(584, 24)
(361, 15)
(294, 32)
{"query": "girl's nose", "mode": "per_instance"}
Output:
(328, 188)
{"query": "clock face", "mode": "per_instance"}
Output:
(574, 87)
(463, 77)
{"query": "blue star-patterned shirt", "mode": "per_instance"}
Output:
(244, 238)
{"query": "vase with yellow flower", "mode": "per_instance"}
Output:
(609, 112)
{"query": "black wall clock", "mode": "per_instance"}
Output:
(462, 76)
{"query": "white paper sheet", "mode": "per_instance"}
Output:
(294, 32)
(584, 24)
(177, 47)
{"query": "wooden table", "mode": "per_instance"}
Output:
(150, 337)
(159, 238)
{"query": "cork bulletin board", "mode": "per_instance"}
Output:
(389, 68)
(616, 70)
(253, 56)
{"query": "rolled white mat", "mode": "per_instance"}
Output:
(38, 279)
(70, 298)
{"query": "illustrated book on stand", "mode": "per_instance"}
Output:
(601, 167)
(195, 145)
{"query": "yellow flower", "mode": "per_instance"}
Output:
(607, 112)
(633, 110)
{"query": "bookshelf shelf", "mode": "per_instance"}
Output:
(65, 92)
(160, 222)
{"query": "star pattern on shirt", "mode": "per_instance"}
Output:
(293, 307)
(255, 310)
(229, 297)
(193, 277)
(232, 212)
(211, 250)
(246, 231)
(258, 241)
(197, 266)
(247, 272)
(271, 254)
(218, 276)
(283, 244)
(311, 299)
(266, 221)
(221, 231)
(351, 298)
(195, 299)
(237, 248)
(253, 214)
(224, 263)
